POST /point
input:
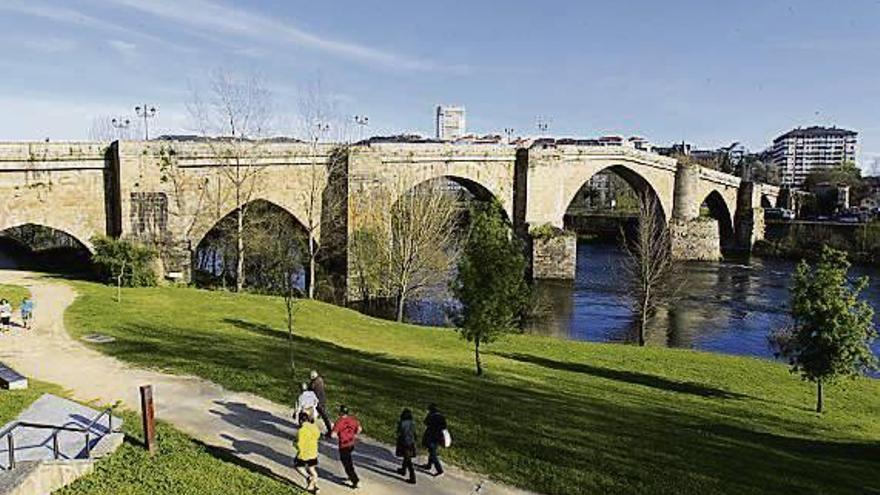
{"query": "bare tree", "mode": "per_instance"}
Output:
(409, 244)
(318, 117)
(649, 266)
(235, 119)
(104, 129)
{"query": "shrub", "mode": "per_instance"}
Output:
(132, 261)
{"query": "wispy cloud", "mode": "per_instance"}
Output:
(50, 45)
(124, 48)
(215, 17)
(66, 15)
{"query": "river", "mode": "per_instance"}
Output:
(727, 307)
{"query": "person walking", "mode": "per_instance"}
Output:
(307, 402)
(433, 439)
(346, 429)
(306, 461)
(27, 312)
(316, 385)
(5, 315)
(406, 445)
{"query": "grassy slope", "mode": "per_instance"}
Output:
(558, 417)
(181, 467)
(14, 294)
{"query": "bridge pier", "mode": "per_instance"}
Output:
(554, 254)
(749, 216)
(692, 237)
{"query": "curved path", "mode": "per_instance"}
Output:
(251, 428)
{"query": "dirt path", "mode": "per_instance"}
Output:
(251, 428)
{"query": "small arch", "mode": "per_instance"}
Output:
(765, 201)
(38, 246)
(715, 206)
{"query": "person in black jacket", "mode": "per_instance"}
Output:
(406, 444)
(316, 385)
(432, 440)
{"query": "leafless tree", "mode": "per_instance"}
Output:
(235, 119)
(411, 247)
(103, 129)
(650, 269)
(318, 117)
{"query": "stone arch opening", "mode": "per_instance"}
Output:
(607, 203)
(714, 206)
(40, 247)
(215, 258)
(766, 202)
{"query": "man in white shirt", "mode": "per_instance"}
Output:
(307, 402)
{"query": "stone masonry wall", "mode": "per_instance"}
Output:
(697, 239)
(554, 257)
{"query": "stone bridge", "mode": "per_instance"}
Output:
(176, 191)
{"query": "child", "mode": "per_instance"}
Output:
(5, 314)
(27, 312)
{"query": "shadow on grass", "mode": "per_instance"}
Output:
(582, 437)
(633, 377)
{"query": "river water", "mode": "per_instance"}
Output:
(728, 307)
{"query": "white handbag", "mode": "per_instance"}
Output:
(447, 438)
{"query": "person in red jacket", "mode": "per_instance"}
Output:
(346, 429)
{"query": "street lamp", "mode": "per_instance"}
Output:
(509, 132)
(145, 113)
(543, 124)
(362, 122)
(120, 125)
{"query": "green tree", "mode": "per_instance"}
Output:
(124, 262)
(833, 330)
(491, 282)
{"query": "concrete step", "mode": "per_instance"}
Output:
(33, 444)
(43, 477)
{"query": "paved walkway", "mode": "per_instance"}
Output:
(244, 425)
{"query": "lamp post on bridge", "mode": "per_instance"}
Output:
(120, 124)
(362, 122)
(543, 124)
(509, 132)
(146, 113)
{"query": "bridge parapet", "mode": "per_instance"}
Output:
(39, 156)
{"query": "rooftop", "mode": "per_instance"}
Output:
(816, 131)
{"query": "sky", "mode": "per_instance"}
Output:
(706, 72)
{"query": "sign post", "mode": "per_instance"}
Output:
(148, 414)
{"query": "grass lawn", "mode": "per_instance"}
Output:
(181, 466)
(553, 416)
(14, 294)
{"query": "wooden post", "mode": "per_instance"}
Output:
(148, 414)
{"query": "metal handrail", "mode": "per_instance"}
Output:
(10, 440)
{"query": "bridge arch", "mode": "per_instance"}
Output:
(637, 182)
(210, 254)
(718, 209)
(80, 238)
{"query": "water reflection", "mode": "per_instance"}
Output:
(727, 307)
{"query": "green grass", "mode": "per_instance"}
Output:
(554, 416)
(14, 294)
(13, 402)
(181, 466)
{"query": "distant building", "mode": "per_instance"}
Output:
(799, 152)
(450, 123)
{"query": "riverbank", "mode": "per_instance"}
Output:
(553, 416)
(799, 240)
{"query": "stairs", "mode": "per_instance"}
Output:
(38, 469)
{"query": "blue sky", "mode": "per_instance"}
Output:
(708, 72)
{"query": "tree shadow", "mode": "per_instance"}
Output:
(633, 377)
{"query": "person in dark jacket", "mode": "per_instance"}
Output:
(316, 385)
(432, 440)
(406, 444)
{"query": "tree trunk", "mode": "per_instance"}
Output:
(477, 359)
(312, 265)
(239, 239)
(643, 317)
(401, 298)
(119, 283)
(819, 398)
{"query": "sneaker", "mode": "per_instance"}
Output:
(354, 485)
(401, 471)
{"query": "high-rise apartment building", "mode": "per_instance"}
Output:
(801, 151)
(450, 122)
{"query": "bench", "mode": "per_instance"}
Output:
(11, 379)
